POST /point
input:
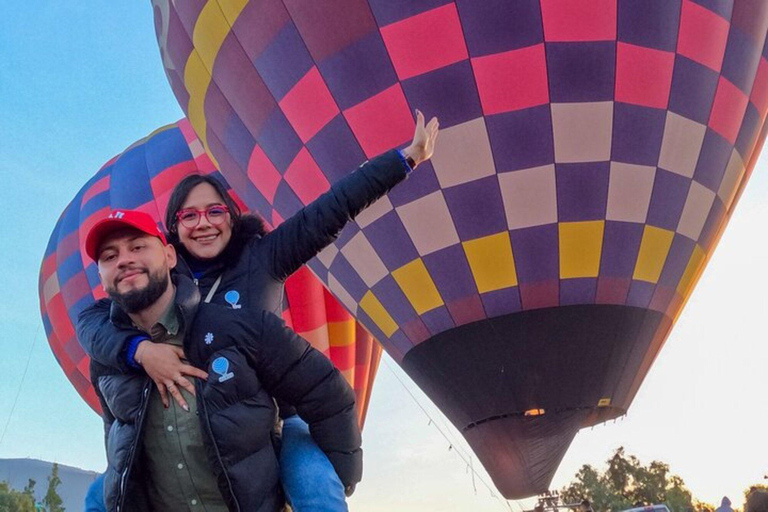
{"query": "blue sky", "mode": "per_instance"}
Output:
(82, 81)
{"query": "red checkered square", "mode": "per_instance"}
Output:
(309, 105)
(343, 357)
(643, 75)
(425, 42)
(305, 177)
(381, 122)
(728, 110)
(263, 173)
(512, 80)
(579, 20)
(703, 35)
(759, 95)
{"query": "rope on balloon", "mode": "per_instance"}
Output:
(467, 459)
(21, 384)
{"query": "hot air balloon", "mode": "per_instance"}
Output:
(142, 177)
(591, 152)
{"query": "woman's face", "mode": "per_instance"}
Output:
(204, 241)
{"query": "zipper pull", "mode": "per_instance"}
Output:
(194, 280)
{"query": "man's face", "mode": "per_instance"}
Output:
(135, 268)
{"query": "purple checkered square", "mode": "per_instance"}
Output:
(712, 224)
(640, 294)
(477, 208)
(284, 62)
(582, 191)
(521, 139)
(239, 141)
(451, 273)
(693, 90)
(450, 93)
(621, 244)
(336, 150)
(578, 291)
(502, 302)
(580, 72)
(677, 259)
(496, 26)
(715, 153)
(279, 141)
(742, 56)
(359, 71)
(649, 23)
(637, 134)
(670, 191)
(438, 320)
(750, 127)
(536, 253)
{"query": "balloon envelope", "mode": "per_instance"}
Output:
(142, 177)
(590, 154)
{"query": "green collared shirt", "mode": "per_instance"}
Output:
(180, 475)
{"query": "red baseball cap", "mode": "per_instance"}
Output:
(120, 219)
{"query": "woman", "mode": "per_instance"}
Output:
(235, 261)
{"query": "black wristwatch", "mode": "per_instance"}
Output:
(410, 161)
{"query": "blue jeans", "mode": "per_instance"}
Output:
(94, 499)
(308, 478)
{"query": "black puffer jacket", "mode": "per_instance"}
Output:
(237, 414)
(256, 263)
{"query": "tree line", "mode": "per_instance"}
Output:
(12, 500)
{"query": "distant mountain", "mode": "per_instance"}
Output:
(74, 481)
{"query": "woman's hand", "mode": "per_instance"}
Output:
(424, 137)
(165, 365)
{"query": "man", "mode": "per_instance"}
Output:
(216, 454)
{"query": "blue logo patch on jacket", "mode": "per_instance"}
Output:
(233, 297)
(220, 365)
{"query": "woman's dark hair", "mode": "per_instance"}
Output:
(182, 190)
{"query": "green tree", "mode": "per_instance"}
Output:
(14, 501)
(52, 500)
(627, 481)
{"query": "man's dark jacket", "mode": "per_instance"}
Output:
(255, 263)
(237, 414)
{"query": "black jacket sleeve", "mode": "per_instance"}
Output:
(291, 370)
(106, 414)
(314, 227)
(101, 339)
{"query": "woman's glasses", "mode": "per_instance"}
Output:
(190, 218)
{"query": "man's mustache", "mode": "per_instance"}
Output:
(130, 271)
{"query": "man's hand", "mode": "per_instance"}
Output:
(424, 138)
(165, 366)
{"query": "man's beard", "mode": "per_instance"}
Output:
(135, 301)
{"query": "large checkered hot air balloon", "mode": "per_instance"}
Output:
(142, 177)
(591, 152)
